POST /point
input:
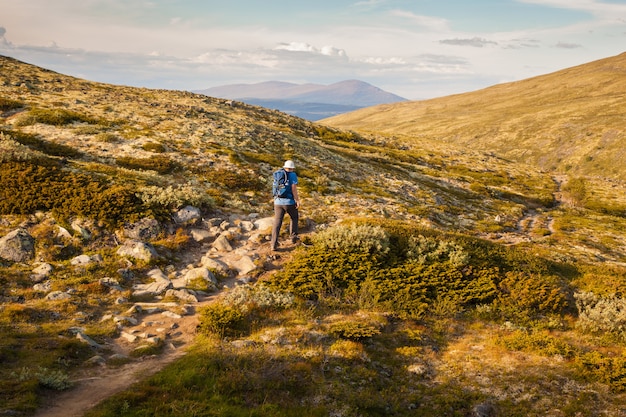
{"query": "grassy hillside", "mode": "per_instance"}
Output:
(570, 121)
(437, 280)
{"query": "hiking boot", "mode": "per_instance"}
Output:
(295, 239)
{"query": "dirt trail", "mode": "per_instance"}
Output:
(96, 383)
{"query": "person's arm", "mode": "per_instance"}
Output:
(294, 191)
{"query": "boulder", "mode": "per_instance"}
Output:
(187, 215)
(144, 229)
(215, 265)
(17, 246)
(264, 224)
(222, 244)
(137, 250)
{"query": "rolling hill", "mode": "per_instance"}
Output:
(433, 279)
(569, 121)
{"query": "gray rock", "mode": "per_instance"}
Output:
(183, 295)
(58, 295)
(222, 244)
(200, 235)
(138, 250)
(215, 264)
(17, 246)
(188, 214)
(43, 286)
(264, 224)
(86, 339)
(244, 265)
(144, 229)
(81, 260)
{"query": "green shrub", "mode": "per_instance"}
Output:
(538, 342)
(41, 145)
(609, 370)
(28, 187)
(153, 147)
(234, 180)
(49, 378)
(599, 315)
(428, 250)
(6, 104)
(354, 238)
(54, 117)
(174, 197)
(260, 296)
(523, 296)
(159, 163)
(221, 319)
(353, 330)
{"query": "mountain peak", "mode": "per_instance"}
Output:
(299, 99)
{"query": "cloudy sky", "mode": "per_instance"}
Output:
(417, 49)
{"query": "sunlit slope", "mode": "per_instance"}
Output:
(570, 121)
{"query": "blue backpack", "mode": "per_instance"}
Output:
(280, 184)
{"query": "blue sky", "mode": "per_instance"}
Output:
(417, 49)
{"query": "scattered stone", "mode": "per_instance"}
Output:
(96, 360)
(58, 295)
(222, 244)
(124, 320)
(144, 229)
(138, 250)
(41, 272)
(43, 286)
(264, 224)
(131, 338)
(183, 295)
(171, 315)
(17, 246)
(215, 264)
(154, 340)
(244, 265)
(86, 339)
(81, 260)
(111, 284)
(200, 235)
(79, 228)
(187, 215)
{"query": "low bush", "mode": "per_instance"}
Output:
(599, 315)
(175, 197)
(28, 187)
(6, 104)
(221, 319)
(41, 145)
(54, 117)
(159, 163)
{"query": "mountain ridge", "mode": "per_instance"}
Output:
(298, 99)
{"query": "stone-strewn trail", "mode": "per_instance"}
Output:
(235, 247)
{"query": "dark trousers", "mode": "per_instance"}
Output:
(279, 215)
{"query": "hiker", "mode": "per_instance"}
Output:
(286, 201)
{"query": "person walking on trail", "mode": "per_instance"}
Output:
(286, 200)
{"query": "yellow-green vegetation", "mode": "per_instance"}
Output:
(373, 318)
(464, 282)
(566, 121)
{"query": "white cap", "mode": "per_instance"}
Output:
(289, 164)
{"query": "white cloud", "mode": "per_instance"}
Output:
(305, 47)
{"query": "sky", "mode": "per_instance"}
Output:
(417, 49)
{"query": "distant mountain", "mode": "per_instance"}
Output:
(308, 101)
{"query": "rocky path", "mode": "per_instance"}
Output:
(171, 323)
